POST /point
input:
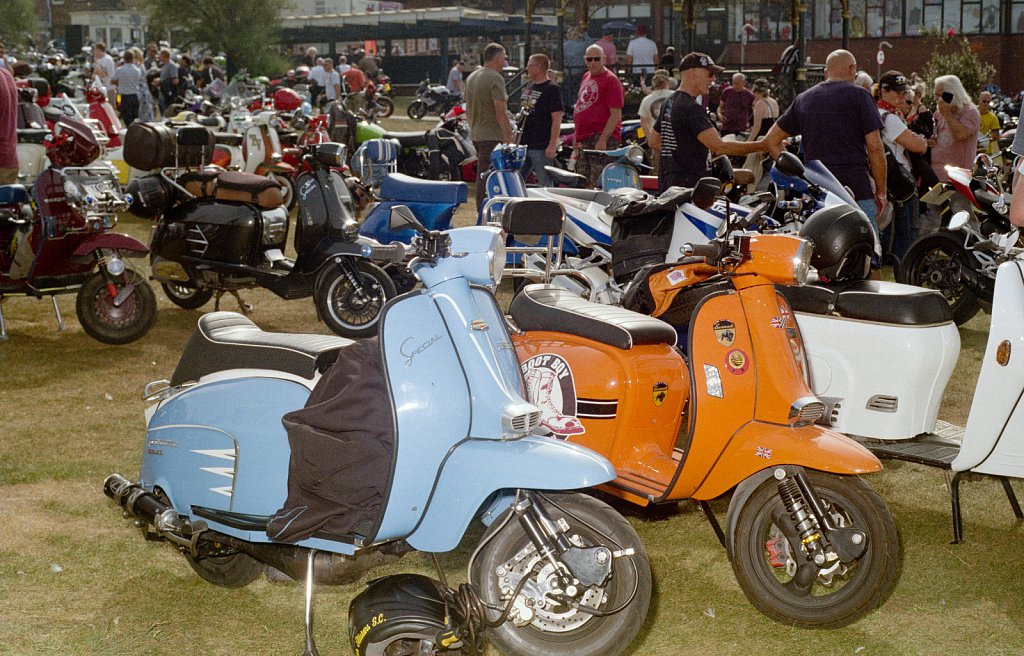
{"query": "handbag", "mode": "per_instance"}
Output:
(900, 183)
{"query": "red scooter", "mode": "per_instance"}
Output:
(59, 241)
(101, 110)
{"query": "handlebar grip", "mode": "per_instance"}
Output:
(389, 253)
(710, 251)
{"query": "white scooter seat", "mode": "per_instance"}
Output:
(547, 307)
(869, 300)
(227, 340)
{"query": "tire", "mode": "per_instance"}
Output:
(235, 570)
(387, 107)
(106, 323)
(578, 633)
(850, 595)
(936, 262)
(341, 307)
(417, 109)
(188, 298)
(288, 189)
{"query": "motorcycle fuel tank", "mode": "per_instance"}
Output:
(228, 233)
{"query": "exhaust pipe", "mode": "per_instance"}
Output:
(138, 503)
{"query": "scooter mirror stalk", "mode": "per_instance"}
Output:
(402, 218)
(959, 220)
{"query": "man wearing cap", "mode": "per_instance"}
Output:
(841, 128)
(641, 53)
(541, 130)
(597, 113)
(685, 134)
(650, 109)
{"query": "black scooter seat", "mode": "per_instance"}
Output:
(407, 139)
(227, 340)
(228, 138)
(398, 186)
(546, 307)
(563, 177)
(33, 135)
(867, 300)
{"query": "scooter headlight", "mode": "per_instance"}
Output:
(635, 154)
(498, 263)
(802, 262)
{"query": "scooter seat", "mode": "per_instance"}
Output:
(208, 121)
(407, 139)
(33, 135)
(228, 138)
(589, 195)
(568, 178)
(13, 194)
(811, 299)
(871, 300)
(227, 340)
(398, 186)
(547, 307)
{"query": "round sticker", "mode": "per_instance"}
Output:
(737, 362)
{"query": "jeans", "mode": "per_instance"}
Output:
(129, 108)
(483, 165)
(899, 234)
(867, 205)
(536, 160)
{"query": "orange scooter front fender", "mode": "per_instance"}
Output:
(760, 445)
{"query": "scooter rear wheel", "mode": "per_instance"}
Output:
(558, 629)
(764, 560)
(937, 262)
(188, 298)
(352, 308)
(235, 570)
(116, 324)
(387, 107)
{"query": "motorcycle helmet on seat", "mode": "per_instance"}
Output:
(843, 243)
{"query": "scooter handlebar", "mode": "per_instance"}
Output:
(395, 252)
(710, 251)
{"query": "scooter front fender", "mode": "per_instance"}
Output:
(127, 244)
(476, 469)
(760, 445)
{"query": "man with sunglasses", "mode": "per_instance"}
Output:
(685, 135)
(597, 113)
(989, 125)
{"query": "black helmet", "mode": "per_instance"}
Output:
(843, 242)
(403, 608)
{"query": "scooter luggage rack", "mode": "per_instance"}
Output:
(532, 218)
(108, 203)
(939, 449)
(375, 159)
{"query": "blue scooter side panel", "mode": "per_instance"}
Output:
(431, 397)
(237, 459)
(479, 468)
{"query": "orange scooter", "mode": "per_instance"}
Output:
(810, 542)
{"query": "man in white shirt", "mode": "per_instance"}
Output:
(316, 81)
(343, 65)
(641, 53)
(103, 67)
(456, 84)
(332, 81)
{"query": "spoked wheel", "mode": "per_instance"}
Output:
(350, 301)
(110, 314)
(188, 298)
(387, 107)
(780, 579)
(417, 109)
(938, 262)
(287, 189)
(553, 627)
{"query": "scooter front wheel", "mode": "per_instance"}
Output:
(785, 584)
(350, 297)
(116, 323)
(938, 262)
(417, 109)
(507, 554)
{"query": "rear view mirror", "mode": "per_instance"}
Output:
(790, 164)
(705, 192)
(402, 218)
(959, 220)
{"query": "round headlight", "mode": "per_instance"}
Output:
(802, 262)
(498, 263)
(635, 154)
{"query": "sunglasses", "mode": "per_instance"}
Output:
(593, 58)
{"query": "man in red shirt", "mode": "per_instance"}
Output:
(8, 128)
(597, 113)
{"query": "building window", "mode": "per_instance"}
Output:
(1017, 17)
(116, 38)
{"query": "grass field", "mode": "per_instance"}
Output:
(77, 579)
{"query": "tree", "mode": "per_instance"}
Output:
(244, 30)
(952, 55)
(19, 22)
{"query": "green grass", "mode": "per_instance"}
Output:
(75, 578)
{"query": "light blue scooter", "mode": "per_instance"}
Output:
(558, 572)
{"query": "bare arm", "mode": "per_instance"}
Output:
(759, 112)
(959, 130)
(912, 141)
(654, 139)
(1017, 207)
(614, 118)
(501, 109)
(876, 159)
(555, 139)
(714, 143)
(774, 139)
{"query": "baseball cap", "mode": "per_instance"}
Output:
(661, 74)
(893, 81)
(641, 30)
(699, 60)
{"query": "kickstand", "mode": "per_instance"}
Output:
(56, 310)
(246, 308)
(310, 642)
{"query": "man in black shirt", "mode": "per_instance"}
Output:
(541, 130)
(685, 134)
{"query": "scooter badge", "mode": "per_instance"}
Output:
(478, 324)
(725, 332)
(551, 388)
(736, 362)
(713, 381)
(660, 392)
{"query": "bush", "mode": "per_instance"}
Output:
(952, 55)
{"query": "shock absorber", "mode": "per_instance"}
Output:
(803, 519)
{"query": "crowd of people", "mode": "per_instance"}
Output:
(354, 72)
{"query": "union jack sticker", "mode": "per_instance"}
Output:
(778, 322)
(762, 452)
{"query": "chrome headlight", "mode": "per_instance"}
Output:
(498, 261)
(802, 262)
(635, 154)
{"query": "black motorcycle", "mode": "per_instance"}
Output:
(218, 232)
(435, 98)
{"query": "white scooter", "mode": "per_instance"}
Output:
(259, 150)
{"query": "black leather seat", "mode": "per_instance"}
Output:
(867, 300)
(407, 139)
(33, 135)
(227, 340)
(563, 177)
(546, 307)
